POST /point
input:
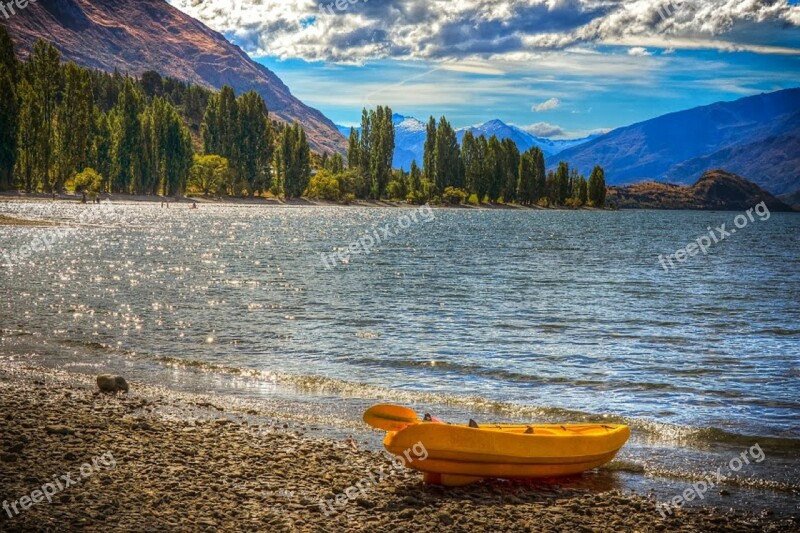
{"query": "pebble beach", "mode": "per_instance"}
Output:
(153, 461)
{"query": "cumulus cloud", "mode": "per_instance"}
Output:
(493, 29)
(547, 105)
(543, 129)
(638, 51)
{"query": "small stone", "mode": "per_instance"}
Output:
(16, 448)
(110, 383)
(59, 430)
(445, 518)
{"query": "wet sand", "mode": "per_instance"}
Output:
(158, 461)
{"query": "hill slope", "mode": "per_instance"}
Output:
(145, 35)
(717, 189)
(755, 136)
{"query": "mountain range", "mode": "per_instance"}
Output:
(757, 137)
(410, 136)
(141, 35)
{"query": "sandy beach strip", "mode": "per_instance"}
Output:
(83, 460)
(6, 220)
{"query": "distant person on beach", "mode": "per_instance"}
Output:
(83, 199)
(194, 205)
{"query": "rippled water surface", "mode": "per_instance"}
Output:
(553, 314)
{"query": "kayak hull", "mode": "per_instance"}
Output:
(457, 455)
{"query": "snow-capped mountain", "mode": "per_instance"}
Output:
(410, 138)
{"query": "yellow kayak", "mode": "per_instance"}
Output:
(458, 455)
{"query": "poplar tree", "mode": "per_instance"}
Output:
(495, 168)
(354, 150)
(73, 131)
(46, 87)
(9, 110)
(253, 143)
(382, 150)
(126, 144)
(29, 122)
(448, 166)
(597, 187)
(429, 155)
(9, 121)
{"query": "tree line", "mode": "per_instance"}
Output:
(477, 170)
(65, 126)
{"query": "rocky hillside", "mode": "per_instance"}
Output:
(716, 189)
(135, 36)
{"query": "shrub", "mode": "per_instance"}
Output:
(454, 196)
(88, 181)
(324, 186)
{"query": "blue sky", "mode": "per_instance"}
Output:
(559, 68)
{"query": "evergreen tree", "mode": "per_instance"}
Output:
(354, 150)
(253, 143)
(429, 155)
(511, 168)
(8, 57)
(46, 85)
(127, 145)
(449, 172)
(471, 161)
(561, 184)
(73, 129)
(100, 155)
(415, 177)
(541, 176)
(294, 161)
(9, 121)
(527, 177)
(336, 164)
(582, 192)
(382, 150)
(495, 168)
(29, 122)
(365, 152)
(597, 187)
(9, 110)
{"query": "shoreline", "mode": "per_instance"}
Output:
(183, 461)
(21, 197)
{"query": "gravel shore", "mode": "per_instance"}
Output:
(133, 468)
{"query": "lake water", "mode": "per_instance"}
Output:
(489, 314)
